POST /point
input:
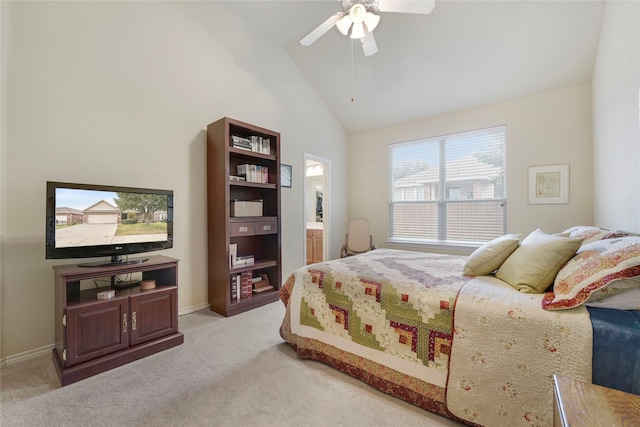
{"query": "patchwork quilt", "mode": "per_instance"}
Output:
(390, 318)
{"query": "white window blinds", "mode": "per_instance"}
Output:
(449, 189)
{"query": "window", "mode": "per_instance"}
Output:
(450, 189)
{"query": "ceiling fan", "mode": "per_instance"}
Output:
(360, 17)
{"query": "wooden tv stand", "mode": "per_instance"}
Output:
(94, 335)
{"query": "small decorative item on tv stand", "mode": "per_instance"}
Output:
(145, 285)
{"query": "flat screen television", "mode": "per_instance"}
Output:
(88, 220)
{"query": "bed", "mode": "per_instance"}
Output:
(477, 348)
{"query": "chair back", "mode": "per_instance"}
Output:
(359, 235)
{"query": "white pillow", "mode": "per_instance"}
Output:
(533, 266)
(490, 256)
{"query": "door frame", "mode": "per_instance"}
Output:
(326, 204)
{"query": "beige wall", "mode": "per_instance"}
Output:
(544, 129)
(89, 89)
(616, 118)
(121, 93)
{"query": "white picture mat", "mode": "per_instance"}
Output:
(549, 184)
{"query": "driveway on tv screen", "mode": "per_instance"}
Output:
(99, 234)
(86, 234)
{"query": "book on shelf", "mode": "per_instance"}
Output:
(256, 144)
(242, 148)
(253, 173)
(241, 261)
(233, 254)
(241, 143)
(235, 288)
(241, 286)
(245, 284)
(261, 145)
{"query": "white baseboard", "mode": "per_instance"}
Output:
(30, 354)
(193, 308)
(26, 355)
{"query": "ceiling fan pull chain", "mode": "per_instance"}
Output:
(352, 94)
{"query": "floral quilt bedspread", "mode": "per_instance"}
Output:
(506, 350)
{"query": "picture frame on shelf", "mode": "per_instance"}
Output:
(285, 175)
(549, 184)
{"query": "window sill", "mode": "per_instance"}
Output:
(458, 248)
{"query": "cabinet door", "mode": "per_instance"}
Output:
(309, 248)
(96, 329)
(154, 314)
(317, 246)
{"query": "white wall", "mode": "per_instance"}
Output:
(120, 93)
(549, 128)
(616, 119)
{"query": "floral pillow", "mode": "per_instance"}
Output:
(587, 232)
(599, 269)
(591, 234)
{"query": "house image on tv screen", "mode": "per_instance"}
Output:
(69, 216)
(102, 212)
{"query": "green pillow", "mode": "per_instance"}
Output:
(490, 256)
(533, 267)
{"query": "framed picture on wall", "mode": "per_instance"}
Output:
(549, 184)
(285, 175)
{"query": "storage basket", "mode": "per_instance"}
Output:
(246, 208)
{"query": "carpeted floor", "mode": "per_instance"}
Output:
(232, 371)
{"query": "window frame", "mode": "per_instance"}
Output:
(442, 201)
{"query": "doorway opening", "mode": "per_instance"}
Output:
(316, 208)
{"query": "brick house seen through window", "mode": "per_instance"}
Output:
(449, 189)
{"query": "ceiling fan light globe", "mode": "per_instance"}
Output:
(343, 24)
(371, 21)
(358, 13)
(357, 32)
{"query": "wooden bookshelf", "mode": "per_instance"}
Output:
(258, 236)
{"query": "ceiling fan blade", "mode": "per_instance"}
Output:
(407, 6)
(321, 29)
(369, 45)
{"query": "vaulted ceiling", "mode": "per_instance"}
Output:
(462, 55)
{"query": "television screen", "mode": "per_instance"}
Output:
(85, 220)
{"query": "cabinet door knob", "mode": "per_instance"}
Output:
(266, 227)
(133, 321)
(124, 323)
(244, 229)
